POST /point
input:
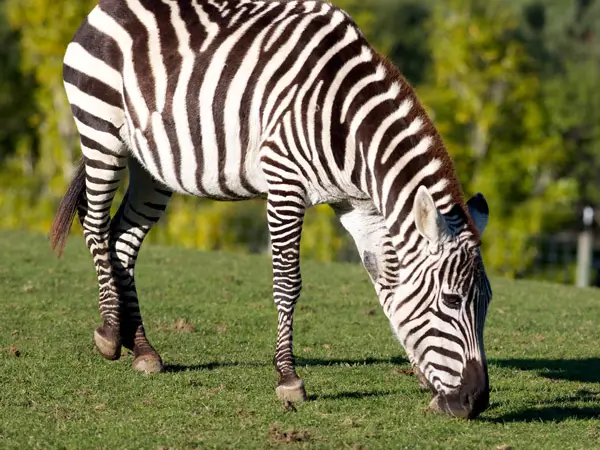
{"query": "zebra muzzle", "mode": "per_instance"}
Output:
(471, 399)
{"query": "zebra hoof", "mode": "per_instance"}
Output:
(292, 391)
(148, 364)
(108, 346)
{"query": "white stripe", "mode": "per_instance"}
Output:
(390, 177)
(298, 160)
(350, 36)
(379, 75)
(188, 162)
(285, 20)
(410, 187)
(165, 152)
(327, 114)
(359, 117)
(300, 61)
(374, 151)
(104, 23)
(80, 59)
(411, 130)
(237, 88)
(143, 148)
(90, 103)
(211, 28)
(159, 71)
(210, 174)
(102, 174)
(106, 139)
(236, 17)
(312, 112)
(438, 187)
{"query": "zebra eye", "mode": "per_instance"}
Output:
(452, 300)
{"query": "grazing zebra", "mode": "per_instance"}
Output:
(238, 99)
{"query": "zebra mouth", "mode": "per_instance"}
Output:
(470, 399)
(449, 405)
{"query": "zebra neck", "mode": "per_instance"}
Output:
(402, 150)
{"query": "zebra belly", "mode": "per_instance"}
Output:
(220, 173)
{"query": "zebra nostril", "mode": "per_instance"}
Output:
(466, 401)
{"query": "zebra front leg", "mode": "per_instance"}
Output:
(102, 178)
(142, 207)
(285, 217)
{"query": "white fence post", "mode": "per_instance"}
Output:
(585, 246)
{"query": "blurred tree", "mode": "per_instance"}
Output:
(565, 36)
(487, 101)
(17, 107)
(31, 191)
(44, 28)
(400, 32)
(512, 87)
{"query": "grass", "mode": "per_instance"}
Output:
(211, 317)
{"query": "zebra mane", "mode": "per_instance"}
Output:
(437, 148)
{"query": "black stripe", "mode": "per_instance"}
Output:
(92, 86)
(95, 122)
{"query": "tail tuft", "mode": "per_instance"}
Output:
(67, 210)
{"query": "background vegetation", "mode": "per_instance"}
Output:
(212, 318)
(512, 86)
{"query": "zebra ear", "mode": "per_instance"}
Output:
(428, 219)
(479, 211)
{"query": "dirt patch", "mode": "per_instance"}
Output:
(277, 435)
(215, 390)
(403, 372)
(180, 325)
(14, 351)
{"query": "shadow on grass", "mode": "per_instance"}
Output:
(299, 363)
(585, 370)
(348, 394)
(549, 414)
(173, 368)
(556, 410)
(349, 362)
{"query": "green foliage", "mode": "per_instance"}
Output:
(16, 100)
(219, 390)
(36, 174)
(487, 102)
(512, 88)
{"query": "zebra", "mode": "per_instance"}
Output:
(286, 101)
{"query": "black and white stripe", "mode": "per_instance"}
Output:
(282, 99)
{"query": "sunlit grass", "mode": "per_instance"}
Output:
(211, 317)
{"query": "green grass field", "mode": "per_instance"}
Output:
(211, 317)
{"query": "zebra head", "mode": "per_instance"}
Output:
(442, 303)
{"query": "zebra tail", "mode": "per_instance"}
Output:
(67, 209)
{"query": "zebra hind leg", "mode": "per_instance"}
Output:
(103, 173)
(285, 217)
(144, 204)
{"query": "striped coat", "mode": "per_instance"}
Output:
(285, 100)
